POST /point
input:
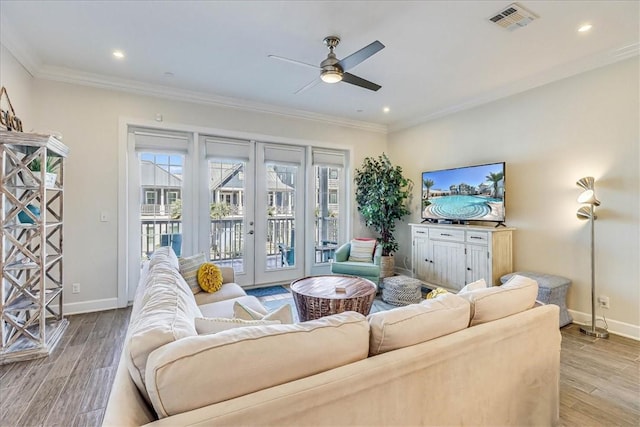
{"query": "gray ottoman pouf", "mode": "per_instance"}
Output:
(401, 290)
(551, 290)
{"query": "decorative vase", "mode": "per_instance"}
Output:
(24, 217)
(387, 266)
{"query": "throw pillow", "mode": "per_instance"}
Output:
(213, 325)
(283, 314)
(189, 269)
(209, 277)
(362, 250)
(478, 284)
(436, 292)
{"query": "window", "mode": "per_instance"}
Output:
(150, 197)
(333, 197)
(329, 199)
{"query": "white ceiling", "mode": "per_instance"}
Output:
(440, 56)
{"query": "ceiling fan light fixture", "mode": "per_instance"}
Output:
(331, 76)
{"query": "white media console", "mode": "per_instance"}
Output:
(450, 256)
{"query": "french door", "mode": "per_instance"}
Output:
(256, 209)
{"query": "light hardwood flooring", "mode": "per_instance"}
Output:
(599, 379)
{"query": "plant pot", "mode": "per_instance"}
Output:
(387, 266)
(49, 180)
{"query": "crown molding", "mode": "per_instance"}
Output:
(560, 72)
(66, 75)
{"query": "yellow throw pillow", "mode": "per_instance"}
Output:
(437, 291)
(209, 277)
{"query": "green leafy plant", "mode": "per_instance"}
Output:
(175, 209)
(219, 210)
(382, 195)
(49, 165)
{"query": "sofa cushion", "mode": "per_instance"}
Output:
(166, 312)
(416, 323)
(282, 314)
(209, 277)
(488, 304)
(354, 268)
(213, 325)
(189, 269)
(245, 360)
(478, 284)
(227, 291)
(225, 308)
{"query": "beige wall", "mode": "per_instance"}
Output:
(550, 137)
(17, 80)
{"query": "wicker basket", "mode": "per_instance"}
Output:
(401, 290)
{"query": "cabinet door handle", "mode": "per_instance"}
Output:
(475, 237)
(426, 260)
(445, 234)
(468, 269)
(420, 232)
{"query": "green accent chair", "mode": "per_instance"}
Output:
(342, 265)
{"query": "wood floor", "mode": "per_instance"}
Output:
(599, 379)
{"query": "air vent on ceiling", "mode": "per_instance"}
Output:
(513, 17)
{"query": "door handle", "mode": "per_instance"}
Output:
(250, 232)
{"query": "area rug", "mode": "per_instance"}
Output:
(265, 292)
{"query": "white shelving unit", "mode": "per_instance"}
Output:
(31, 220)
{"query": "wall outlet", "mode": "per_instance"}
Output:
(104, 216)
(603, 301)
(75, 288)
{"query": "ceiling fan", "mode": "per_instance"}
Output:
(333, 70)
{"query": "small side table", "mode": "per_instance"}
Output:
(316, 296)
(551, 290)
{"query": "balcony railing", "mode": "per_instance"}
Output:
(226, 236)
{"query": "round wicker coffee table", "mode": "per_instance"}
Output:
(316, 296)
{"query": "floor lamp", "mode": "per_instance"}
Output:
(588, 197)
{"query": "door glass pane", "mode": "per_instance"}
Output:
(328, 184)
(280, 215)
(226, 212)
(161, 207)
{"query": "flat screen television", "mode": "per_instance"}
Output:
(471, 193)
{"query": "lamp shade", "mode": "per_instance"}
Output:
(588, 197)
(331, 76)
(588, 182)
(585, 213)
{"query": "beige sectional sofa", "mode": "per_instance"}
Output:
(486, 357)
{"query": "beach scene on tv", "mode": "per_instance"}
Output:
(474, 193)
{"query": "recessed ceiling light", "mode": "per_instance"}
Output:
(118, 54)
(168, 74)
(584, 28)
(386, 109)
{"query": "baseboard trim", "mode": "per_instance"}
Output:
(90, 306)
(615, 327)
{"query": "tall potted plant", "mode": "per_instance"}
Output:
(382, 195)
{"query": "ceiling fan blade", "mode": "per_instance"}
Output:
(308, 85)
(358, 81)
(359, 56)
(293, 61)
